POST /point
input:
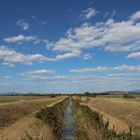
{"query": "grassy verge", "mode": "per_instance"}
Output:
(54, 117)
(85, 128)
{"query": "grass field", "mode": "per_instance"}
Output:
(121, 113)
(18, 116)
(7, 99)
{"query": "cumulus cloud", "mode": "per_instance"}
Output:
(121, 36)
(21, 38)
(88, 13)
(96, 69)
(67, 55)
(11, 57)
(135, 16)
(23, 25)
(134, 55)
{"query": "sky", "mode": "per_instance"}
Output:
(69, 46)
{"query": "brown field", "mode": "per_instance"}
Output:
(18, 116)
(6, 99)
(121, 113)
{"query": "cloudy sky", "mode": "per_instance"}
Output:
(69, 46)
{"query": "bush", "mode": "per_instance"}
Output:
(128, 96)
(53, 116)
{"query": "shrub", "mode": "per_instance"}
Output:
(128, 96)
(53, 116)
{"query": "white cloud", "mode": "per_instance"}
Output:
(88, 82)
(37, 72)
(123, 74)
(85, 70)
(38, 77)
(8, 64)
(96, 69)
(87, 56)
(122, 36)
(134, 55)
(67, 55)
(56, 83)
(11, 57)
(58, 77)
(135, 16)
(88, 13)
(23, 25)
(20, 39)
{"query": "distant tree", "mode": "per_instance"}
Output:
(89, 94)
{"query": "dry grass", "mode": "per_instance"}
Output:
(122, 113)
(7, 99)
(11, 112)
(85, 130)
(36, 130)
(25, 120)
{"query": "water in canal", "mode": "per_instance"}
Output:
(68, 130)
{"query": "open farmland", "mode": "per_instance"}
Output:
(19, 116)
(121, 113)
(74, 117)
(8, 99)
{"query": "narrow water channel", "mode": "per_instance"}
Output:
(68, 132)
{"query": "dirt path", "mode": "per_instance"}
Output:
(17, 130)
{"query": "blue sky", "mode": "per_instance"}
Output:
(49, 46)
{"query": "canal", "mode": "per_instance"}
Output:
(68, 132)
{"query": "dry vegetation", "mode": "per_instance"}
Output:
(11, 112)
(101, 117)
(121, 113)
(7, 99)
(18, 117)
(86, 128)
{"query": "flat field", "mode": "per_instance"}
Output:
(17, 115)
(120, 112)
